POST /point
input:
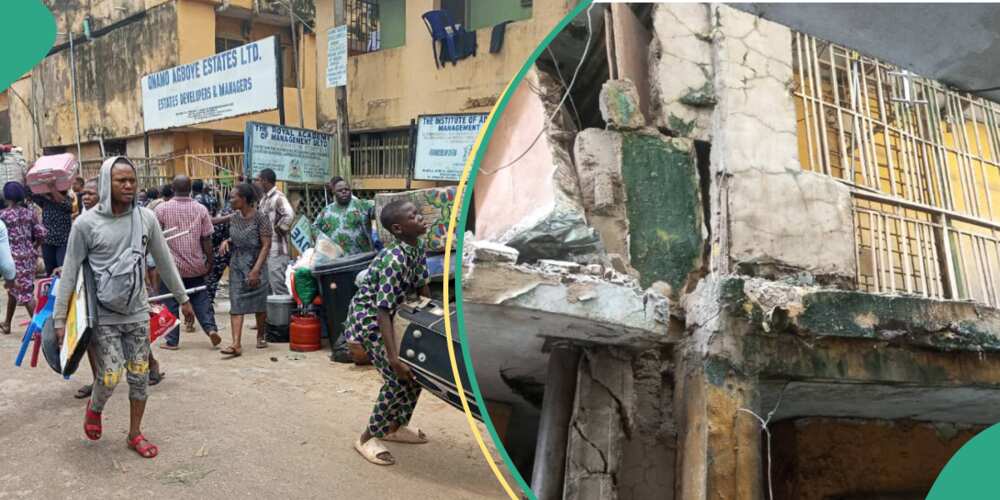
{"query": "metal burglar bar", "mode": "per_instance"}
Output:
(380, 154)
(923, 163)
(362, 27)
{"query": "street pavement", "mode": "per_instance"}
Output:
(272, 423)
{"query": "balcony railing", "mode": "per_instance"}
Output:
(923, 163)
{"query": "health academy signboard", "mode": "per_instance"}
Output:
(295, 154)
(443, 145)
(231, 83)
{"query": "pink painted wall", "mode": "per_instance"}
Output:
(525, 189)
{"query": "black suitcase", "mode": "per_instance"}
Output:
(424, 348)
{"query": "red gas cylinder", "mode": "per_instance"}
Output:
(304, 333)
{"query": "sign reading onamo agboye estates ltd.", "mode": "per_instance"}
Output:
(443, 145)
(231, 83)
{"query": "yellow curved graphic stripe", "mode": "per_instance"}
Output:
(459, 197)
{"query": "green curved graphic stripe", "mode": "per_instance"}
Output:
(971, 473)
(27, 36)
(460, 229)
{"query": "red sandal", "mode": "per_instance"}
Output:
(148, 451)
(92, 430)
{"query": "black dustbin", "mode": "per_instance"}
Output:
(336, 300)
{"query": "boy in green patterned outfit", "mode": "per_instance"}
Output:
(398, 269)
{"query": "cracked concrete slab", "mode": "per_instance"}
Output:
(777, 218)
(961, 405)
(619, 312)
(905, 320)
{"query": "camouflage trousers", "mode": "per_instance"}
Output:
(120, 350)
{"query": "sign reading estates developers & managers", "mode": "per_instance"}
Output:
(443, 145)
(231, 83)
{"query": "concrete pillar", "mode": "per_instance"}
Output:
(553, 429)
(719, 445)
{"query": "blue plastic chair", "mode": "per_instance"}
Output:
(442, 29)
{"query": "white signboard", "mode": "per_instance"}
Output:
(295, 154)
(231, 83)
(336, 56)
(301, 235)
(443, 145)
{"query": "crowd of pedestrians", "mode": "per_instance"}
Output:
(178, 241)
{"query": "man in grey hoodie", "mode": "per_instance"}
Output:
(104, 237)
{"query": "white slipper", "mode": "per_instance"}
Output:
(408, 435)
(371, 450)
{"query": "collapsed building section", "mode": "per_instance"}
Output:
(731, 252)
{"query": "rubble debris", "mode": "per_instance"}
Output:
(558, 266)
(618, 263)
(488, 251)
(619, 105)
(580, 292)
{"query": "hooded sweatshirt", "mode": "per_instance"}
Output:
(102, 238)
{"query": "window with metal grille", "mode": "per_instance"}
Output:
(224, 44)
(923, 164)
(362, 27)
(374, 25)
(381, 154)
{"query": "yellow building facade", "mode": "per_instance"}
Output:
(392, 77)
(116, 43)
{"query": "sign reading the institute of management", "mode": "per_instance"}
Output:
(231, 83)
(443, 145)
(295, 154)
(336, 56)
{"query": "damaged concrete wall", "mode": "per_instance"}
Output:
(773, 307)
(598, 155)
(621, 441)
(108, 72)
(526, 193)
(725, 76)
(641, 192)
(681, 69)
(821, 458)
(778, 218)
(664, 208)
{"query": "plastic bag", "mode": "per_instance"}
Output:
(305, 261)
(326, 251)
(305, 286)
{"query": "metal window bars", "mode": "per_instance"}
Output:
(381, 154)
(923, 163)
(362, 27)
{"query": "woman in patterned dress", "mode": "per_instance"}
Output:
(26, 234)
(250, 240)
